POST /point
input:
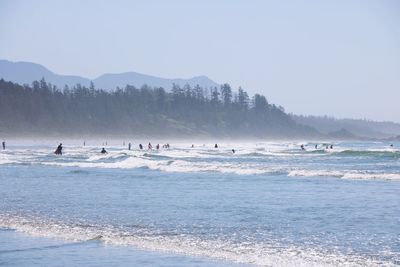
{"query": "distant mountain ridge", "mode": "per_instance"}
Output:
(27, 72)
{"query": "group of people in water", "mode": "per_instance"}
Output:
(150, 147)
(327, 146)
(59, 148)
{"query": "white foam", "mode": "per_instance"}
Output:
(314, 173)
(262, 254)
(173, 166)
(346, 174)
(370, 176)
(6, 161)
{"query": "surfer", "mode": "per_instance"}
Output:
(233, 151)
(59, 150)
(103, 151)
(129, 146)
(158, 146)
(149, 146)
(302, 147)
(216, 146)
(140, 146)
(192, 146)
(4, 145)
(331, 146)
(316, 146)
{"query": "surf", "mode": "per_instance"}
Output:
(270, 253)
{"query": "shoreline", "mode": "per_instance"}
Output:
(22, 249)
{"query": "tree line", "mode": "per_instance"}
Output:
(44, 109)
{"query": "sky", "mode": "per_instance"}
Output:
(339, 58)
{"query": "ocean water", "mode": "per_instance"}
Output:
(268, 204)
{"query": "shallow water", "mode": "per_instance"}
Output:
(267, 204)
(18, 249)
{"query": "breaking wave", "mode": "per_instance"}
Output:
(273, 159)
(345, 174)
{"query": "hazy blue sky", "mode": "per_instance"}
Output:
(339, 58)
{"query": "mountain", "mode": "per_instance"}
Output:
(27, 72)
(109, 81)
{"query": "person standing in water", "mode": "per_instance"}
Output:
(158, 146)
(216, 146)
(140, 146)
(103, 151)
(302, 147)
(129, 146)
(4, 145)
(149, 146)
(59, 150)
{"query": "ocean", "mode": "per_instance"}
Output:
(267, 204)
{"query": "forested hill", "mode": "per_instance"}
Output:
(360, 127)
(188, 112)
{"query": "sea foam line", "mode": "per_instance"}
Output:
(356, 175)
(243, 252)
